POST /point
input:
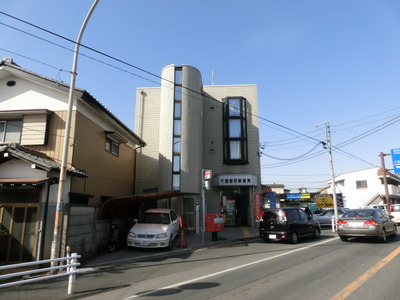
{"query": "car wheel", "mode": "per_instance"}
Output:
(382, 238)
(169, 247)
(111, 247)
(344, 238)
(316, 234)
(294, 238)
(267, 240)
(394, 234)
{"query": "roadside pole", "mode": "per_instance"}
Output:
(55, 245)
(387, 199)
(329, 148)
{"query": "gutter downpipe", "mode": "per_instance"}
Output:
(55, 245)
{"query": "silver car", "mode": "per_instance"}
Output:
(157, 228)
(367, 222)
(325, 218)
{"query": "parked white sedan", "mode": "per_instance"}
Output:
(157, 228)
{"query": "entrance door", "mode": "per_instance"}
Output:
(237, 206)
(18, 228)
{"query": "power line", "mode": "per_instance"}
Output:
(135, 67)
(293, 158)
(302, 157)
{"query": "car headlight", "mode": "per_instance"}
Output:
(132, 234)
(161, 235)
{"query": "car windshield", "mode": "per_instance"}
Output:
(360, 214)
(155, 218)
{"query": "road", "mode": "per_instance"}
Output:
(313, 269)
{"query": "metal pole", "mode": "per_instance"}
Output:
(203, 204)
(329, 147)
(387, 199)
(55, 245)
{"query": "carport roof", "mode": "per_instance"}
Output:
(124, 207)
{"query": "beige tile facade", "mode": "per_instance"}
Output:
(201, 140)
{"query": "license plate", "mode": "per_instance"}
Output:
(272, 236)
(144, 243)
(355, 224)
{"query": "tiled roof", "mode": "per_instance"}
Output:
(34, 157)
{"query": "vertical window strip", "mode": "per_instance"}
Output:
(235, 131)
(177, 122)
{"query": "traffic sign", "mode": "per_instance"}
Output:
(396, 160)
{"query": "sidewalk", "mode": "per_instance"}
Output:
(193, 241)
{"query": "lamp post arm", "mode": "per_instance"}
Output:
(63, 169)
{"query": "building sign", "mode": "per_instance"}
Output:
(326, 201)
(298, 197)
(396, 160)
(272, 199)
(258, 212)
(235, 180)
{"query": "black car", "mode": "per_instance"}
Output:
(288, 223)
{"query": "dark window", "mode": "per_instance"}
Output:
(292, 215)
(235, 131)
(303, 215)
(176, 161)
(112, 146)
(361, 184)
(174, 216)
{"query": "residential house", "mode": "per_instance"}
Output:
(365, 188)
(100, 165)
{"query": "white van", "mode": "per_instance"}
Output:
(394, 211)
(380, 206)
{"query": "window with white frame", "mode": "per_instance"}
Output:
(10, 131)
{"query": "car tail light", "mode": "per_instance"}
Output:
(341, 222)
(370, 222)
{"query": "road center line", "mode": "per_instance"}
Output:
(343, 294)
(228, 270)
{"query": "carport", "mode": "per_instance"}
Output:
(129, 206)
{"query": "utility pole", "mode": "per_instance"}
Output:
(387, 199)
(55, 245)
(329, 148)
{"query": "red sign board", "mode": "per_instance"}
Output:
(207, 174)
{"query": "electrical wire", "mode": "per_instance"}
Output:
(133, 66)
(300, 135)
(293, 158)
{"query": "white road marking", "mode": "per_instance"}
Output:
(227, 270)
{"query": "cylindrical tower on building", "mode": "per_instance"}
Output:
(181, 128)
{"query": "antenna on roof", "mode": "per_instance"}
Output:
(212, 77)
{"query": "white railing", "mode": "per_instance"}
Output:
(70, 266)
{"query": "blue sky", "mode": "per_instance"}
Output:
(313, 61)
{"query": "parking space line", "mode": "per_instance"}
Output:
(344, 293)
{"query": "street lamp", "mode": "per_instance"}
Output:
(63, 169)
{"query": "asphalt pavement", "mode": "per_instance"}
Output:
(184, 243)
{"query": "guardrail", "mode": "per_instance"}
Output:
(70, 266)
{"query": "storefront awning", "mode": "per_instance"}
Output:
(128, 206)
